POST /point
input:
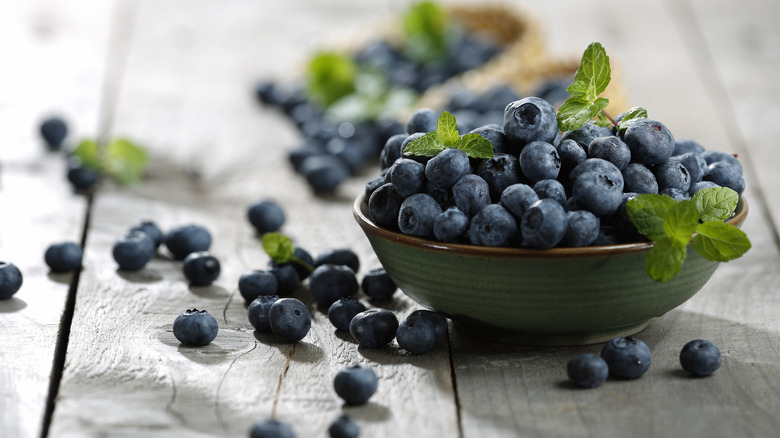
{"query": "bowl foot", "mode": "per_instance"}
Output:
(549, 339)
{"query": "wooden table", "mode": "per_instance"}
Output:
(92, 354)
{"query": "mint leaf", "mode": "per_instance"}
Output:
(125, 161)
(331, 76)
(665, 259)
(373, 99)
(89, 153)
(647, 213)
(426, 26)
(681, 220)
(716, 203)
(602, 120)
(447, 129)
(576, 112)
(593, 74)
(279, 247)
(427, 146)
(630, 117)
(476, 146)
(720, 242)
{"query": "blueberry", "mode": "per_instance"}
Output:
(328, 283)
(54, 130)
(266, 216)
(539, 160)
(324, 173)
(195, 328)
(627, 357)
(355, 384)
(499, 171)
(289, 319)
(407, 176)
(264, 91)
(81, 177)
(597, 165)
(271, 429)
(582, 228)
(338, 256)
(341, 312)
(543, 224)
(695, 164)
(391, 150)
(700, 357)
(63, 256)
(422, 120)
(725, 175)
(638, 178)
(672, 174)
(410, 138)
(417, 214)
(585, 134)
(715, 156)
(442, 196)
(493, 226)
(184, 239)
(450, 225)
(517, 198)
(495, 135)
(550, 188)
(675, 193)
(701, 185)
(10, 280)
(421, 331)
(133, 250)
(599, 193)
(287, 278)
(587, 370)
(650, 141)
(612, 149)
(471, 194)
(344, 427)
(608, 235)
(152, 230)
(301, 269)
(447, 167)
(374, 328)
(258, 312)
(530, 119)
(201, 268)
(353, 152)
(384, 205)
(378, 285)
(309, 148)
(571, 154)
(687, 146)
(372, 185)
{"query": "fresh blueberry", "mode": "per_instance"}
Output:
(493, 226)
(493, 133)
(597, 165)
(258, 312)
(695, 164)
(599, 193)
(627, 357)
(264, 91)
(421, 331)
(582, 228)
(81, 177)
(266, 216)
(638, 178)
(324, 173)
(63, 256)
(447, 167)
(184, 239)
(687, 146)
(725, 175)
(341, 312)
(442, 196)
(499, 171)
(374, 328)
(571, 154)
(650, 141)
(133, 250)
(54, 130)
(384, 205)
(378, 285)
(410, 138)
(675, 193)
(417, 214)
(373, 184)
(422, 120)
(407, 176)
(303, 258)
(550, 188)
(612, 149)
(471, 194)
(152, 230)
(539, 160)
(10, 280)
(391, 150)
(287, 278)
(328, 283)
(701, 185)
(530, 119)
(450, 225)
(700, 357)
(344, 427)
(195, 328)
(338, 256)
(543, 224)
(289, 319)
(355, 384)
(201, 268)
(587, 370)
(715, 156)
(672, 174)
(517, 198)
(585, 134)
(608, 235)
(271, 429)
(309, 148)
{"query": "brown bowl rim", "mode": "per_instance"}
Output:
(510, 252)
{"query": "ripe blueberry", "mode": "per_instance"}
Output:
(201, 268)
(10, 280)
(355, 384)
(184, 239)
(133, 250)
(258, 312)
(700, 357)
(64, 256)
(289, 319)
(374, 328)
(627, 357)
(266, 216)
(195, 328)
(587, 370)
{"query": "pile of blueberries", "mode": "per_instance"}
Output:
(542, 188)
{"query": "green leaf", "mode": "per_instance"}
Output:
(647, 213)
(720, 242)
(593, 74)
(279, 247)
(476, 146)
(125, 161)
(665, 259)
(681, 220)
(89, 153)
(630, 117)
(602, 120)
(331, 76)
(427, 146)
(574, 113)
(447, 130)
(716, 203)
(426, 25)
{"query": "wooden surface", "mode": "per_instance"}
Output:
(93, 354)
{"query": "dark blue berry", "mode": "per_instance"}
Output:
(201, 268)
(715, 156)
(650, 141)
(700, 357)
(447, 167)
(582, 228)
(10, 280)
(133, 250)
(451, 225)
(324, 173)
(672, 174)
(374, 328)
(530, 119)
(543, 224)
(344, 427)
(517, 198)
(701, 185)
(492, 226)
(287, 278)
(64, 256)
(378, 285)
(599, 193)
(328, 283)
(422, 120)
(195, 328)
(725, 175)
(421, 331)
(303, 258)
(417, 214)
(391, 150)
(637, 178)
(608, 235)
(612, 149)
(383, 206)
(152, 230)
(500, 171)
(695, 164)
(550, 188)
(341, 312)
(571, 154)
(407, 176)
(587, 370)
(266, 216)
(338, 256)
(184, 239)
(585, 134)
(81, 177)
(539, 160)
(495, 135)
(355, 384)
(258, 312)
(271, 429)
(471, 194)
(54, 130)
(627, 357)
(289, 319)
(687, 146)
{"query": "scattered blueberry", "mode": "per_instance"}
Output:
(258, 312)
(355, 384)
(64, 256)
(256, 283)
(374, 328)
(10, 280)
(271, 429)
(587, 370)
(627, 357)
(184, 239)
(329, 282)
(201, 268)
(341, 312)
(195, 328)
(133, 250)
(287, 278)
(338, 256)
(266, 216)
(421, 331)
(289, 319)
(54, 130)
(378, 285)
(700, 358)
(152, 230)
(344, 427)
(81, 177)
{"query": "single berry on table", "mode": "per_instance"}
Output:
(627, 357)
(587, 370)
(258, 312)
(201, 268)
(256, 283)
(195, 328)
(344, 427)
(341, 312)
(271, 429)
(133, 250)
(355, 384)
(64, 256)
(700, 357)
(54, 130)
(10, 280)
(266, 216)
(421, 331)
(329, 282)
(338, 256)
(289, 319)
(150, 228)
(374, 328)
(185, 239)
(378, 285)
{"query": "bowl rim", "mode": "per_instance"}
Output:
(360, 209)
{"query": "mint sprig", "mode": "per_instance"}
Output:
(281, 249)
(122, 159)
(426, 28)
(447, 136)
(331, 76)
(672, 225)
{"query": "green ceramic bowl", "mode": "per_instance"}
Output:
(559, 296)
